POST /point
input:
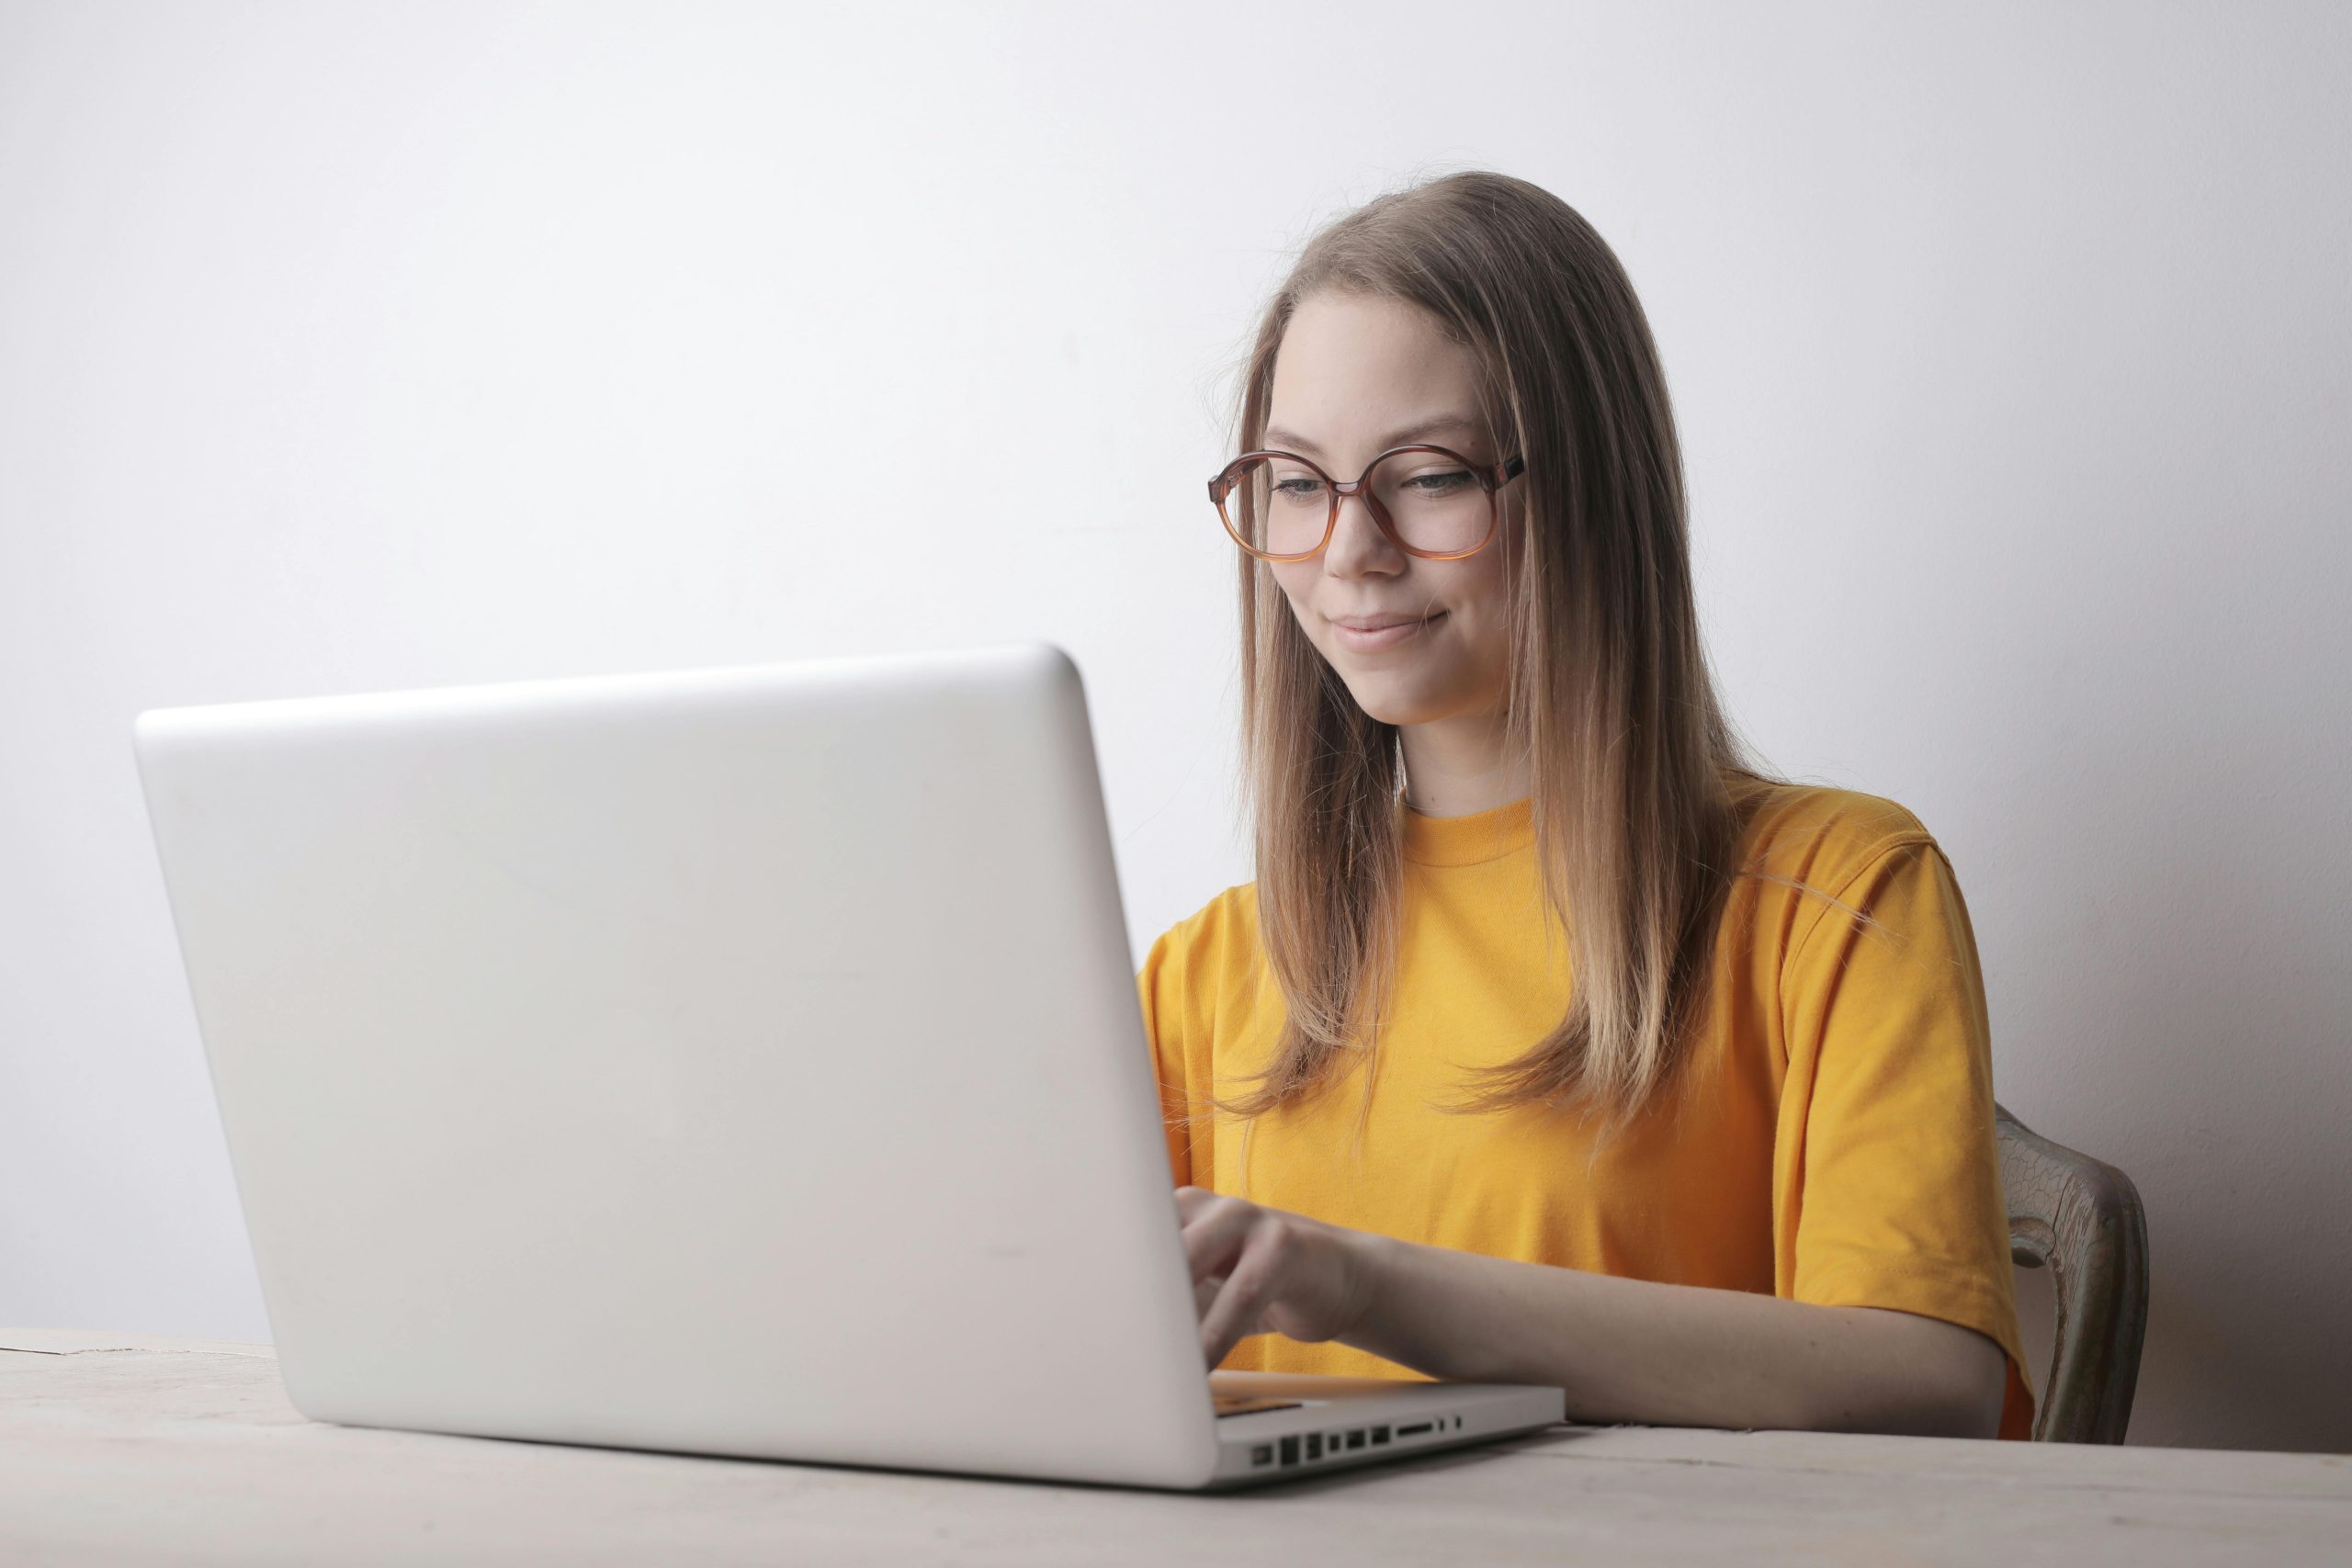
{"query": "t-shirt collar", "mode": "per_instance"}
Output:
(1467, 840)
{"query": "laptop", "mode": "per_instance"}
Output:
(738, 1061)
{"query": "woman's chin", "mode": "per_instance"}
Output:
(1392, 696)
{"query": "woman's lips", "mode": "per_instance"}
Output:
(1386, 637)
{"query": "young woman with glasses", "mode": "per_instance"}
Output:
(1556, 1041)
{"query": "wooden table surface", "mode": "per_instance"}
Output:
(132, 1448)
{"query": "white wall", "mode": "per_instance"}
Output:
(349, 348)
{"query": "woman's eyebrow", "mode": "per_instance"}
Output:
(1404, 437)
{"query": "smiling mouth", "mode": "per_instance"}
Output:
(1370, 638)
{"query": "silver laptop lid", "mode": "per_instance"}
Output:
(739, 1060)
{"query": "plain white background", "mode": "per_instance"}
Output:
(353, 348)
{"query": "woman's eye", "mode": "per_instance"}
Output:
(1440, 484)
(1296, 489)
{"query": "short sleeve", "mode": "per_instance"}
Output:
(1160, 987)
(1897, 1198)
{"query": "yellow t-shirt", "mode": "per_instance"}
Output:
(1830, 1138)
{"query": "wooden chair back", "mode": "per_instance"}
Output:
(2080, 1218)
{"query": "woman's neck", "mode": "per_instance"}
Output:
(1454, 767)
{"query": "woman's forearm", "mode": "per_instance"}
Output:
(1673, 1355)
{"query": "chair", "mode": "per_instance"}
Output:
(2081, 1219)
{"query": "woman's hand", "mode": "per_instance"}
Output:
(1261, 1270)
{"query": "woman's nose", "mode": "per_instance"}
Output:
(1355, 531)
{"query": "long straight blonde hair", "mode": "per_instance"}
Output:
(1638, 783)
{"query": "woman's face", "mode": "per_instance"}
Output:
(1355, 375)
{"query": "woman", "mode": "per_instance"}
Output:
(1742, 1172)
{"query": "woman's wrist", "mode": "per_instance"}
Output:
(1371, 1261)
(1447, 1314)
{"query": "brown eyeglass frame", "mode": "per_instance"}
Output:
(1492, 478)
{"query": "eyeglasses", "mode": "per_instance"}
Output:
(1431, 502)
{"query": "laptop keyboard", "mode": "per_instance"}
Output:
(1243, 1405)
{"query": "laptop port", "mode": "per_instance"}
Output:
(1416, 1430)
(1379, 1435)
(1290, 1450)
(1263, 1453)
(1313, 1446)
(1355, 1439)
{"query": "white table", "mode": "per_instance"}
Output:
(132, 1448)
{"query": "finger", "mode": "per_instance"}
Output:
(1250, 1286)
(1213, 1236)
(1190, 1200)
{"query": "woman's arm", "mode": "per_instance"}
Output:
(1623, 1349)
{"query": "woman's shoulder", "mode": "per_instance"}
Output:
(1200, 969)
(1822, 835)
(1220, 932)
